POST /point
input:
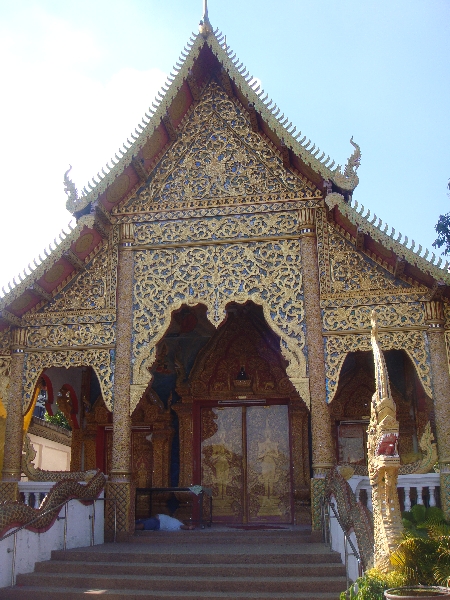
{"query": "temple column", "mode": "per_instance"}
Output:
(441, 393)
(9, 489)
(300, 456)
(186, 478)
(323, 456)
(162, 436)
(120, 485)
(185, 424)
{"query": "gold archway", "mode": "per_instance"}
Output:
(267, 272)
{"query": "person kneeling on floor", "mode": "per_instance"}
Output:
(161, 523)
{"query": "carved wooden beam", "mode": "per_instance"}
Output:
(169, 127)
(10, 318)
(285, 155)
(102, 221)
(399, 268)
(359, 239)
(140, 169)
(193, 86)
(226, 82)
(71, 257)
(37, 290)
(437, 291)
(253, 117)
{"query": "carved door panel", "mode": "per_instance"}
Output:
(222, 461)
(268, 464)
(245, 460)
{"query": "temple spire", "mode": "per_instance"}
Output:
(205, 26)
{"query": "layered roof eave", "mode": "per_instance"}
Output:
(55, 254)
(377, 230)
(241, 77)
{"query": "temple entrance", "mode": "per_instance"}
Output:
(245, 460)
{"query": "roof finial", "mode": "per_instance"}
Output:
(205, 26)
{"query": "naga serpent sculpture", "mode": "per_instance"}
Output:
(36, 474)
(423, 465)
(383, 460)
(352, 514)
(16, 514)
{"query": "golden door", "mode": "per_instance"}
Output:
(245, 460)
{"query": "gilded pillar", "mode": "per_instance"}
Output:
(162, 436)
(441, 393)
(322, 443)
(186, 478)
(120, 485)
(9, 489)
(300, 457)
(184, 412)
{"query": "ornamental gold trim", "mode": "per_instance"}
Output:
(268, 273)
(101, 360)
(414, 343)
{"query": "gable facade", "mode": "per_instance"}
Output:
(216, 204)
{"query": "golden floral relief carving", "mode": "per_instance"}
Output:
(358, 317)
(350, 271)
(269, 273)
(348, 277)
(217, 156)
(79, 317)
(233, 226)
(254, 205)
(414, 343)
(89, 290)
(447, 346)
(447, 316)
(5, 368)
(5, 341)
(99, 359)
(92, 334)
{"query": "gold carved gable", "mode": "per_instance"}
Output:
(347, 273)
(216, 157)
(92, 289)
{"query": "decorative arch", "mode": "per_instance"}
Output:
(36, 362)
(337, 347)
(73, 406)
(28, 415)
(266, 272)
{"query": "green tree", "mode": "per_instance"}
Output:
(443, 230)
(58, 419)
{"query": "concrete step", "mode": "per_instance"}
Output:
(192, 570)
(59, 593)
(174, 583)
(226, 537)
(213, 565)
(204, 554)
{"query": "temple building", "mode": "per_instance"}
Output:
(207, 320)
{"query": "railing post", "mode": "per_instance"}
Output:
(407, 501)
(65, 527)
(419, 491)
(431, 490)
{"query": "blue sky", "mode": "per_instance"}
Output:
(78, 75)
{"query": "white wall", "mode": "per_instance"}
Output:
(338, 544)
(50, 456)
(36, 547)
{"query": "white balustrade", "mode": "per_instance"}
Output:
(35, 491)
(412, 485)
(414, 492)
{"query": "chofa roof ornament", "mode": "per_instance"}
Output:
(349, 179)
(71, 191)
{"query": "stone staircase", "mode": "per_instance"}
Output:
(210, 564)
